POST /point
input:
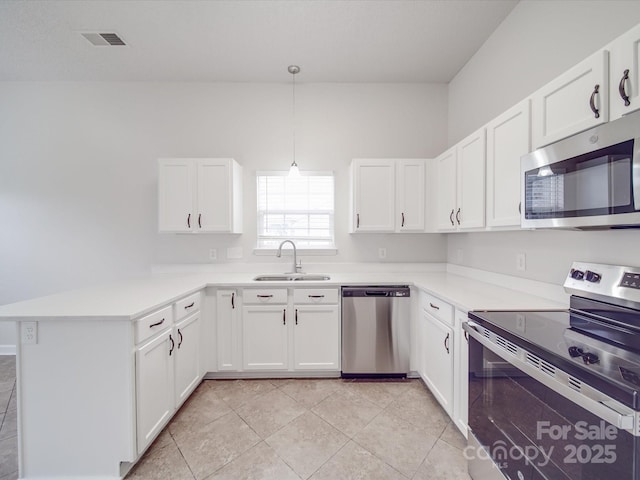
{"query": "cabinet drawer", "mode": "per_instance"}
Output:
(315, 296)
(187, 305)
(153, 323)
(265, 295)
(436, 307)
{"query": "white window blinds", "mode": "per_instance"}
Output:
(296, 208)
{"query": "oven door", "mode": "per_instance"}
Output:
(521, 428)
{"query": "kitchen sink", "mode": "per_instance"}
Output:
(295, 277)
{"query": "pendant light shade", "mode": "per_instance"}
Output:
(293, 170)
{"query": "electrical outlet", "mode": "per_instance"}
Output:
(382, 253)
(29, 333)
(521, 262)
(213, 254)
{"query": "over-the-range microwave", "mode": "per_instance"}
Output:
(588, 181)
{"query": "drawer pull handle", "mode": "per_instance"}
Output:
(621, 90)
(264, 296)
(446, 342)
(190, 305)
(316, 296)
(434, 306)
(157, 323)
(173, 344)
(180, 342)
(592, 101)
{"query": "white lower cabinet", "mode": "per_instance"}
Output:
(154, 387)
(265, 339)
(228, 331)
(316, 337)
(438, 360)
(291, 329)
(187, 357)
(461, 373)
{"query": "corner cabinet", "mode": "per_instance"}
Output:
(460, 184)
(387, 195)
(199, 195)
(624, 74)
(574, 101)
(508, 138)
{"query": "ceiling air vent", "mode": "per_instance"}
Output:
(104, 39)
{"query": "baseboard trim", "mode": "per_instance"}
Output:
(7, 349)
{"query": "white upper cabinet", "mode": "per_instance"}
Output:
(446, 184)
(410, 187)
(508, 138)
(471, 174)
(460, 185)
(575, 101)
(624, 74)
(388, 195)
(199, 195)
(373, 195)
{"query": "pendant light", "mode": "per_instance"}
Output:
(293, 170)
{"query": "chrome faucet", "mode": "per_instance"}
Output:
(297, 267)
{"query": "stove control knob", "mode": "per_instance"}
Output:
(592, 277)
(590, 358)
(575, 352)
(577, 274)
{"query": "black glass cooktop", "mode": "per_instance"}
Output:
(591, 351)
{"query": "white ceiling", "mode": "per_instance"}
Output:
(245, 40)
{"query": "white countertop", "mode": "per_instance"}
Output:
(127, 300)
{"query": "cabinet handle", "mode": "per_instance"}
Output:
(402, 219)
(621, 90)
(520, 208)
(189, 306)
(157, 323)
(180, 342)
(434, 306)
(458, 216)
(451, 217)
(264, 296)
(446, 342)
(199, 220)
(189, 220)
(284, 316)
(316, 296)
(173, 344)
(296, 316)
(466, 336)
(233, 300)
(592, 101)
(357, 220)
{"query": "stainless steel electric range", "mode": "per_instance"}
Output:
(556, 394)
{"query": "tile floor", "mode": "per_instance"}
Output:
(324, 429)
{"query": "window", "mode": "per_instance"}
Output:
(296, 208)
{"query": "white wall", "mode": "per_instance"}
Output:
(78, 168)
(535, 43)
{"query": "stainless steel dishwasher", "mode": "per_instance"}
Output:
(375, 331)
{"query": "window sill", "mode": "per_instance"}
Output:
(300, 251)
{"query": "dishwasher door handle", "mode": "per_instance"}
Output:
(376, 293)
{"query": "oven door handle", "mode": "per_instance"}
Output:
(590, 399)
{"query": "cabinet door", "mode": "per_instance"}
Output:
(439, 363)
(316, 337)
(214, 195)
(461, 374)
(575, 101)
(471, 181)
(410, 192)
(176, 195)
(187, 357)
(508, 138)
(154, 387)
(373, 195)
(227, 329)
(446, 184)
(265, 338)
(624, 74)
